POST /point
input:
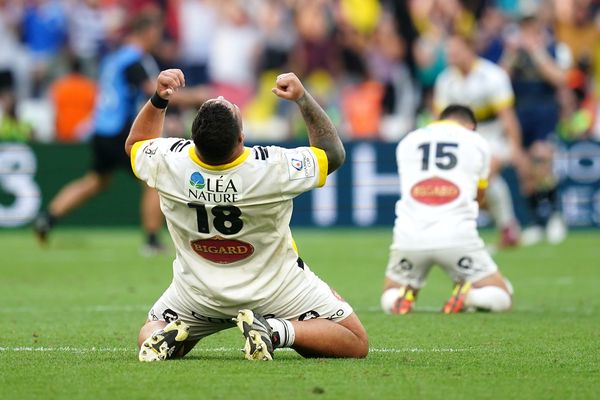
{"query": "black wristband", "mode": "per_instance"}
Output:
(158, 101)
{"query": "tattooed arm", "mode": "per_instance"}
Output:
(321, 132)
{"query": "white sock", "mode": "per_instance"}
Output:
(490, 298)
(499, 202)
(388, 299)
(285, 330)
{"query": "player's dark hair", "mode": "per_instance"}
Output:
(215, 132)
(461, 112)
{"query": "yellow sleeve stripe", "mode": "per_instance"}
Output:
(503, 103)
(323, 165)
(482, 184)
(132, 155)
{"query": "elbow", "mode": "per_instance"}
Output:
(336, 159)
(128, 145)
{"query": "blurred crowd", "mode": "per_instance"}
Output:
(372, 64)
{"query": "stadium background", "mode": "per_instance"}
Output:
(70, 311)
(370, 63)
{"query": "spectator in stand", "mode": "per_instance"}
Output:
(234, 53)
(490, 39)
(195, 22)
(73, 97)
(14, 63)
(12, 129)
(275, 21)
(578, 107)
(385, 57)
(537, 65)
(576, 26)
(87, 34)
(45, 27)
(316, 49)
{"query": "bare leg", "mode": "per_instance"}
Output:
(78, 192)
(499, 204)
(324, 338)
(490, 293)
(495, 279)
(152, 217)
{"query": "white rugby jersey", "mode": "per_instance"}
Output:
(230, 223)
(486, 89)
(440, 166)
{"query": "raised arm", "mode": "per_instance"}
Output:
(321, 131)
(149, 122)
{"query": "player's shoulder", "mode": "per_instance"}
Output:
(489, 68)
(264, 153)
(273, 153)
(448, 74)
(165, 146)
(408, 140)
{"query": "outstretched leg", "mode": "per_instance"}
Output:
(71, 196)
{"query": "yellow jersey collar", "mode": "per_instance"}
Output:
(220, 167)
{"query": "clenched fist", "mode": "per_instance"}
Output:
(168, 82)
(288, 86)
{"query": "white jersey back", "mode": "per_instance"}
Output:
(486, 90)
(230, 223)
(440, 166)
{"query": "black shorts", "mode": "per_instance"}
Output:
(109, 153)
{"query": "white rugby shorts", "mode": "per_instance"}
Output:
(313, 299)
(411, 267)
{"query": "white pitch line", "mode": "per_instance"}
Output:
(77, 350)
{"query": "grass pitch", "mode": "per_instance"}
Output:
(70, 316)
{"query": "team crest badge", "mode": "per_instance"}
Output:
(297, 164)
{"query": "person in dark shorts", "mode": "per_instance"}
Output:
(125, 80)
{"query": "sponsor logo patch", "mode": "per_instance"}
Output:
(197, 180)
(222, 251)
(434, 191)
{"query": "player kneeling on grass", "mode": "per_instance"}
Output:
(228, 209)
(443, 174)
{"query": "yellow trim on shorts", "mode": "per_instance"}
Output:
(482, 184)
(323, 165)
(133, 153)
(220, 167)
(295, 246)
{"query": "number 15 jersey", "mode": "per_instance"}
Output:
(230, 223)
(440, 166)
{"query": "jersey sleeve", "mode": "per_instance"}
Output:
(302, 169)
(486, 159)
(146, 157)
(502, 95)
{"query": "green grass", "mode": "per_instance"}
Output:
(70, 316)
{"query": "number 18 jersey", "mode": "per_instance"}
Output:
(440, 166)
(230, 223)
